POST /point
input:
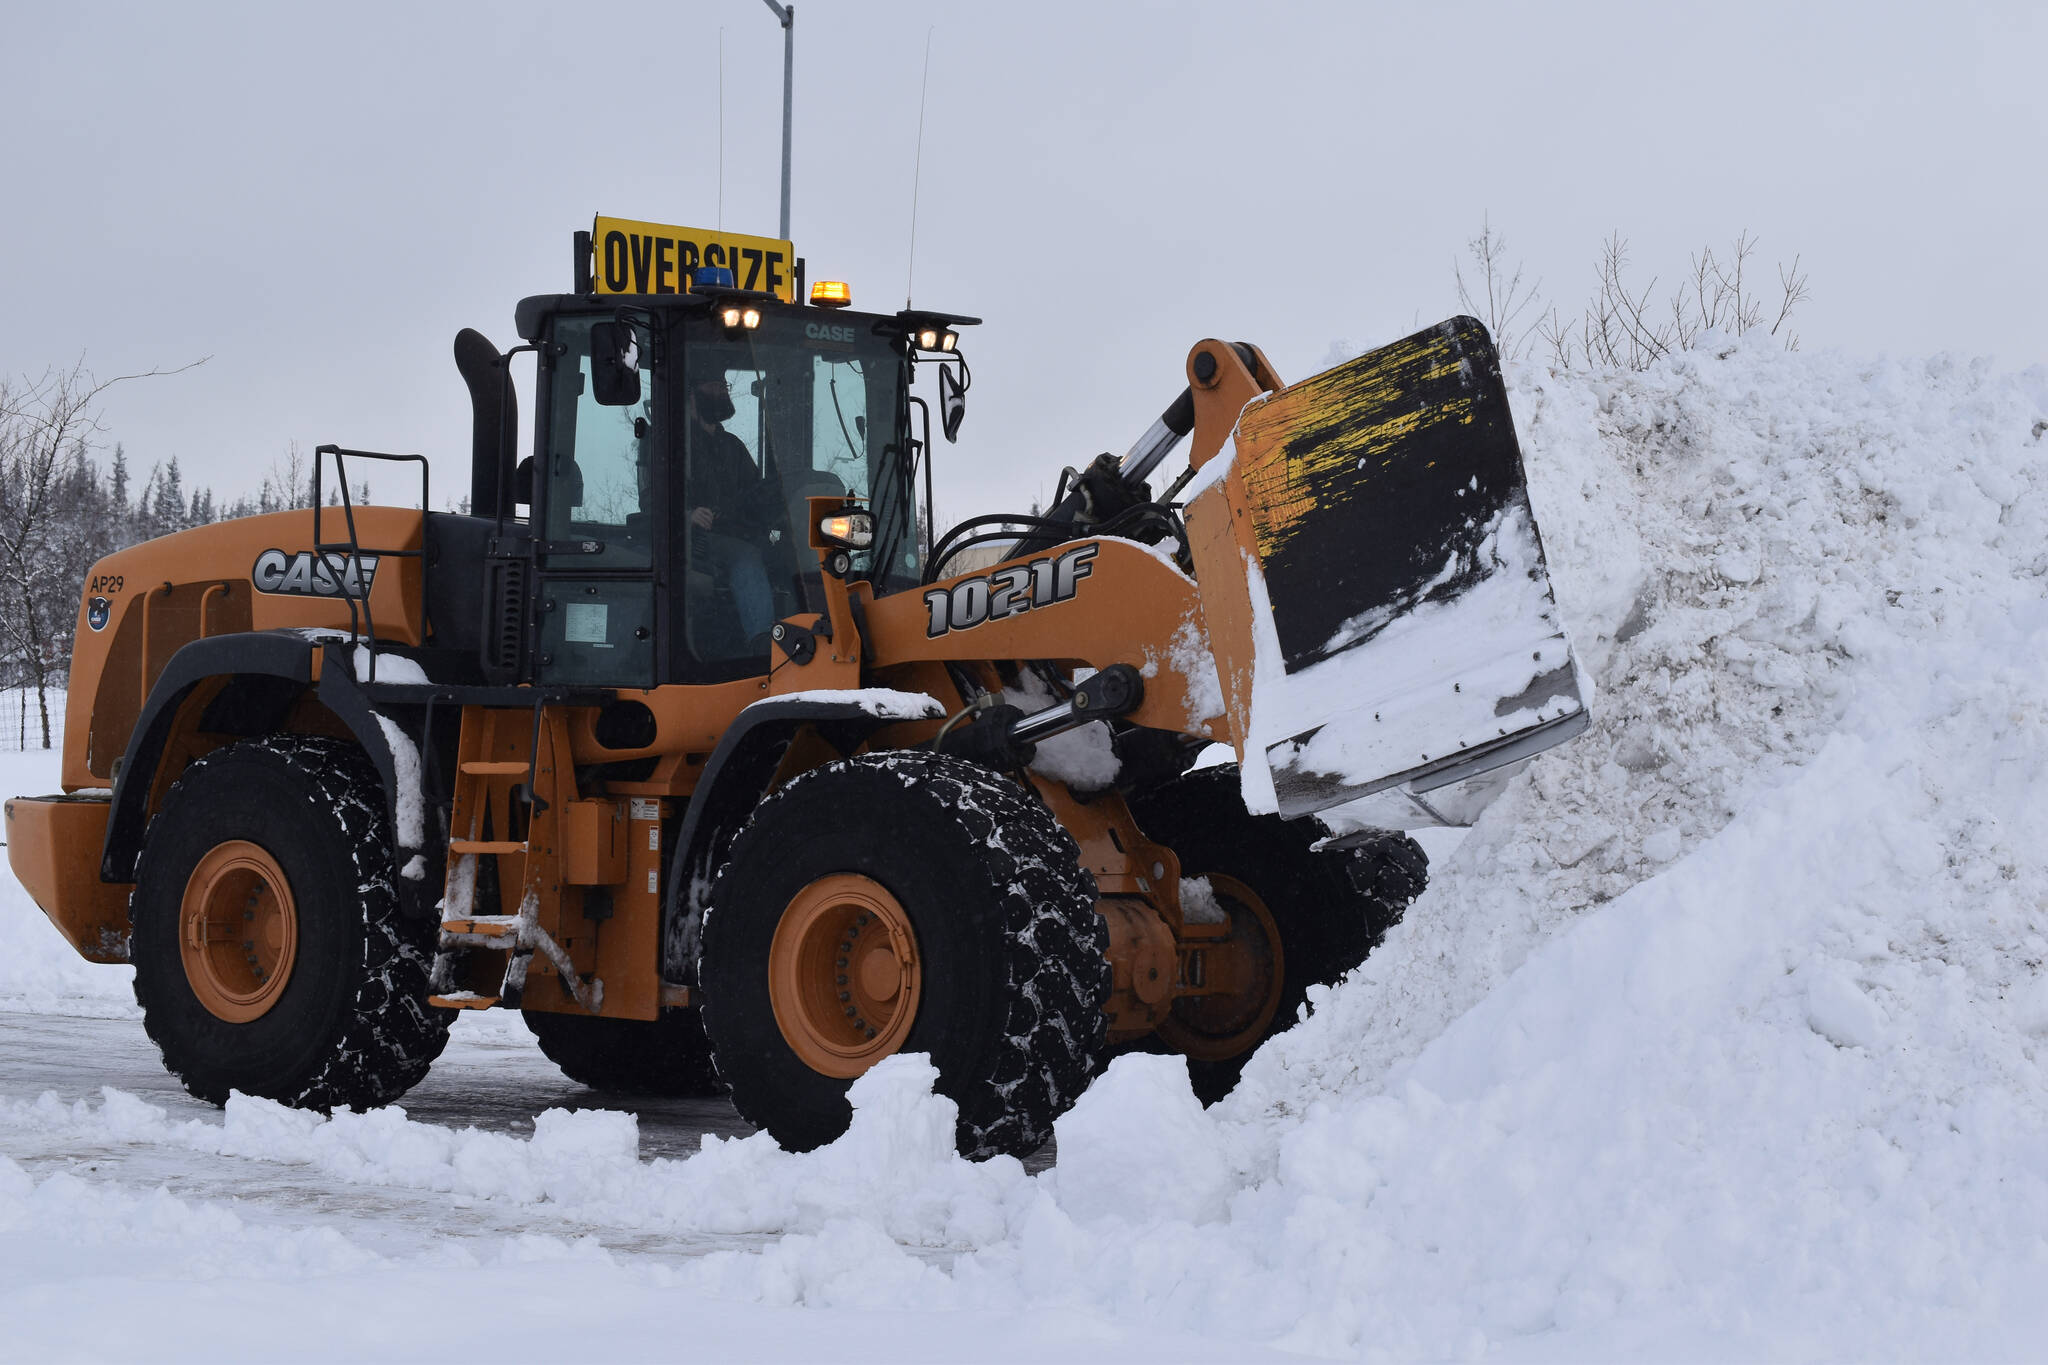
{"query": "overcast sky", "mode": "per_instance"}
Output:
(318, 198)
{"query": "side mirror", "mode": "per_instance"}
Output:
(614, 364)
(952, 403)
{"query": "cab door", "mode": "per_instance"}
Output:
(600, 483)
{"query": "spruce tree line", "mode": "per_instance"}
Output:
(60, 513)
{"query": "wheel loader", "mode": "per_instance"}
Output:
(694, 741)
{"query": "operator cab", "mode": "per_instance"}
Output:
(666, 495)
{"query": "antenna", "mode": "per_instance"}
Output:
(917, 170)
(721, 129)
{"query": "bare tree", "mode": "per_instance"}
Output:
(1499, 299)
(289, 482)
(1622, 328)
(46, 428)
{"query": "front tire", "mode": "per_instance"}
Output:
(905, 902)
(271, 955)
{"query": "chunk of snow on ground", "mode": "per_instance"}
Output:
(1139, 1148)
(2031, 1010)
(1664, 845)
(1840, 1012)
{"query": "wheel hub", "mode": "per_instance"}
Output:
(844, 975)
(238, 931)
(1250, 964)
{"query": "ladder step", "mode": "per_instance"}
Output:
(463, 1000)
(486, 846)
(483, 926)
(481, 768)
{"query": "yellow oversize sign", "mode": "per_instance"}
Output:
(654, 258)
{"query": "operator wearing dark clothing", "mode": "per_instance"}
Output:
(725, 493)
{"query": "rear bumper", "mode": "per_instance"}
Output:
(53, 845)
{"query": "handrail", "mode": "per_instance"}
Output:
(360, 594)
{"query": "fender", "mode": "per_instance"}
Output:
(266, 671)
(735, 778)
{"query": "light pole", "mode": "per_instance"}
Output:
(787, 15)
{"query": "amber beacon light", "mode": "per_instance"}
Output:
(831, 294)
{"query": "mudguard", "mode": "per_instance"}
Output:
(251, 658)
(736, 776)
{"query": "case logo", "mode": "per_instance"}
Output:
(1006, 592)
(305, 575)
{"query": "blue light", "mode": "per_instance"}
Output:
(711, 277)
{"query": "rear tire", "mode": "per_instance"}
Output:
(665, 1056)
(286, 838)
(1330, 911)
(905, 902)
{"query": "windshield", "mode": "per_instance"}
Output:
(816, 403)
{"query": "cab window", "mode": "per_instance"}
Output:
(601, 461)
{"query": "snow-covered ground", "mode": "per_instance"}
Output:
(1721, 1037)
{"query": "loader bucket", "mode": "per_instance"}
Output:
(1396, 632)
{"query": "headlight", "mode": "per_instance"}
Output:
(855, 530)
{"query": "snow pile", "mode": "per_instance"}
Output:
(895, 1171)
(1794, 1071)
(1742, 541)
(90, 1271)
